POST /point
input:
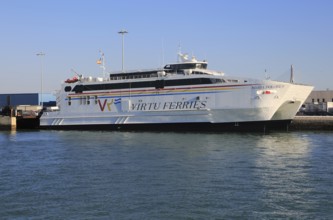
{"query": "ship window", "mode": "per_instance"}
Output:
(95, 99)
(68, 88)
(145, 84)
(216, 80)
(180, 72)
(69, 100)
(198, 72)
(159, 84)
(78, 89)
(88, 100)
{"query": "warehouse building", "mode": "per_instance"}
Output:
(18, 99)
(320, 96)
(319, 103)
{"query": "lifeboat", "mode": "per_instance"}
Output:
(72, 80)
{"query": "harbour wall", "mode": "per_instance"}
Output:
(311, 123)
(7, 123)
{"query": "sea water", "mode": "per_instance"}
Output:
(165, 175)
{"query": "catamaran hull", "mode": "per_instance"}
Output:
(200, 120)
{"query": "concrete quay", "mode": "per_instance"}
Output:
(311, 123)
(7, 123)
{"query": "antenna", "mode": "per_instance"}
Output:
(291, 74)
(79, 75)
(266, 76)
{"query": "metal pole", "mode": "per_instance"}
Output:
(122, 32)
(291, 74)
(41, 54)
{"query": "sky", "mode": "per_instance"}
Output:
(250, 38)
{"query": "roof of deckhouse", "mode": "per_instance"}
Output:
(169, 68)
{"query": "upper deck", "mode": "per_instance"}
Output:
(184, 68)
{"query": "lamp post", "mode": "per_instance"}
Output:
(41, 54)
(122, 32)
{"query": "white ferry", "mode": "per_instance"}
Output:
(181, 96)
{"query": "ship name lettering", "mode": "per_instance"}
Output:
(268, 87)
(183, 105)
(156, 106)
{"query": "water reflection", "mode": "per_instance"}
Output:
(8, 136)
(283, 169)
